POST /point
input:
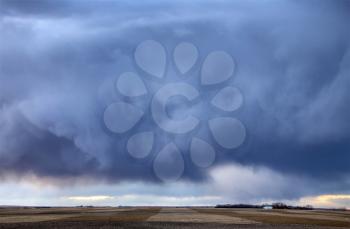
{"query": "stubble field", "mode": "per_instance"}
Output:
(157, 217)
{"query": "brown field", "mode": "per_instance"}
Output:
(156, 217)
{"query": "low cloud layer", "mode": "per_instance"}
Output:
(59, 62)
(226, 184)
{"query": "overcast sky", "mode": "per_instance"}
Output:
(59, 64)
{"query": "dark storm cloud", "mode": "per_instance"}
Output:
(59, 60)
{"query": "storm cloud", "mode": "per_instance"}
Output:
(59, 61)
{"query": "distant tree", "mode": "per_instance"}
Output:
(279, 206)
(309, 207)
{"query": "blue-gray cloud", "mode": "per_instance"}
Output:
(59, 61)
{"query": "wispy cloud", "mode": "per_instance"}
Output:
(89, 198)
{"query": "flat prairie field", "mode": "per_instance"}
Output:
(170, 217)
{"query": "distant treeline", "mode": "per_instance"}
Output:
(238, 206)
(265, 206)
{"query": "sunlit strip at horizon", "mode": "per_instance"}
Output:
(328, 201)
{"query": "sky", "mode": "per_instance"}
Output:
(124, 103)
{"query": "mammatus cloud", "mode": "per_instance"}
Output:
(59, 63)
